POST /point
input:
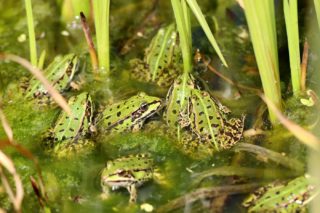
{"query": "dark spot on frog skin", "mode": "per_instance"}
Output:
(210, 117)
(174, 111)
(201, 113)
(118, 114)
(109, 116)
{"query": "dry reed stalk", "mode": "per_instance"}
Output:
(56, 96)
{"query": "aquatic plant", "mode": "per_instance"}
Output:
(261, 21)
(182, 17)
(290, 8)
(101, 21)
(32, 38)
(72, 8)
(317, 8)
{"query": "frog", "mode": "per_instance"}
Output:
(162, 59)
(177, 102)
(70, 132)
(283, 196)
(128, 115)
(60, 73)
(129, 172)
(189, 107)
(209, 121)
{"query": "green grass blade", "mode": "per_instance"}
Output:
(42, 59)
(201, 19)
(317, 8)
(186, 14)
(261, 22)
(291, 18)
(101, 17)
(32, 37)
(185, 41)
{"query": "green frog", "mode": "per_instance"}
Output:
(209, 120)
(162, 59)
(59, 73)
(282, 196)
(128, 115)
(177, 101)
(129, 172)
(189, 107)
(69, 133)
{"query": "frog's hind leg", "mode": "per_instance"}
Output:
(133, 193)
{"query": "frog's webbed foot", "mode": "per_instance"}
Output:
(133, 193)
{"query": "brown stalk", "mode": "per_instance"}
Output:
(38, 74)
(200, 57)
(304, 64)
(303, 135)
(205, 193)
(16, 198)
(92, 50)
(6, 126)
(139, 31)
(29, 155)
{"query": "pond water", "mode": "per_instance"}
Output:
(72, 183)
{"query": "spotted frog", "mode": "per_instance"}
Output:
(177, 101)
(283, 196)
(70, 132)
(162, 59)
(190, 108)
(129, 172)
(209, 121)
(128, 115)
(59, 73)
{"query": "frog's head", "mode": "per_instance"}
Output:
(148, 105)
(115, 175)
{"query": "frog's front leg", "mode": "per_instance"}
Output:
(133, 193)
(105, 190)
(136, 127)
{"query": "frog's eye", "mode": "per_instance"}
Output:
(124, 173)
(144, 106)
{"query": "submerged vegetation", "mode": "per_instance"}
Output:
(169, 100)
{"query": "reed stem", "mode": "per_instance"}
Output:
(183, 25)
(32, 38)
(261, 21)
(101, 10)
(290, 8)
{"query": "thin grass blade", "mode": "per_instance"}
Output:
(201, 19)
(290, 8)
(101, 17)
(32, 37)
(38, 74)
(261, 21)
